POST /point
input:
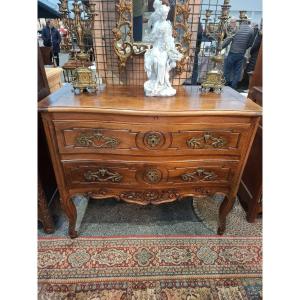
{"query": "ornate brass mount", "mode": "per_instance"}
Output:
(152, 175)
(214, 80)
(123, 42)
(102, 175)
(206, 141)
(153, 139)
(125, 46)
(81, 22)
(199, 174)
(84, 80)
(97, 140)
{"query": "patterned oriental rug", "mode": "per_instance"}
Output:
(150, 268)
(135, 260)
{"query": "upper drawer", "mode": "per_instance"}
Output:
(151, 139)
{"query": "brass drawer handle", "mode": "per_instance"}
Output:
(206, 141)
(199, 174)
(97, 140)
(102, 175)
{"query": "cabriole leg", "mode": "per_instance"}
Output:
(225, 208)
(71, 213)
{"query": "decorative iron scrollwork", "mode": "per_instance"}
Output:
(102, 175)
(97, 140)
(152, 175)
(207, 140)
(199, 174)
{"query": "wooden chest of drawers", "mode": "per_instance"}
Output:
(146, 150)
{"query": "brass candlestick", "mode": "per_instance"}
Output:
(80, 25)
(214, 78)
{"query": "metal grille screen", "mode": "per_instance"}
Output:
(107, 61)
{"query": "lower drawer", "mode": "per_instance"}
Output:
(149, 174)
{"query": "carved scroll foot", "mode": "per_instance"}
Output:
(250, 218)
(221, 230)
(71, 213)
(73, 233)
(48, 229)
(225, 208)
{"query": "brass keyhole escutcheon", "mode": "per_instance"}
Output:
(154, 139)
(152, 175)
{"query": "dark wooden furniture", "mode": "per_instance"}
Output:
(46, 179)
(250, 190)
(44, 214)
(257, 78)
(146, 150)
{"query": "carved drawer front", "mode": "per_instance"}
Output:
(202, 172)
(227, 141)
(149, 174)
(99, 173)
(93, 137)
(150, 139)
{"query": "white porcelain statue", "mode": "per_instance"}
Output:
(162, 57)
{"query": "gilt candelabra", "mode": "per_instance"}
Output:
(214, 79)
(80, 24)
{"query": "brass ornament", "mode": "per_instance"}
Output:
(152, 175)
(199, 174)
(207, 140)
(97, 140)
(76, 24)
(154, 139)
(81, 24)
(102, 175)
(83, 79)
(214, 78)
(123, 43)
